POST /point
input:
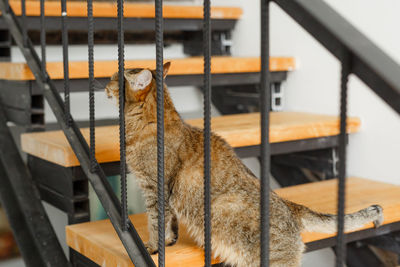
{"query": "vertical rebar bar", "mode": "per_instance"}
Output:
(265, 147)
(341, 241)
(160, 130)
(64, 35)
(43, 37)
(207, 131)
(91, 85)
(121, 82)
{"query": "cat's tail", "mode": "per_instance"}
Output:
(327, 223)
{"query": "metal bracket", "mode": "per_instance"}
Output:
(245, 98)
(69, 192)
(221, 43)
(5, 45)
(21, 106)
(323, 162)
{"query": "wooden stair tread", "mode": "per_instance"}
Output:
(131, 10)
(99, 242)
(238, 130)
(182, 66)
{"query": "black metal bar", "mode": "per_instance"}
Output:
(207, 131)
(265, 106)
(23, 22)
(121, 83)
(159, 26)
(32, 229)
(64, 31)
(374, 67)
(91, 83)
(341, 241)
(43, 36)
(136, 25)
(130, 239)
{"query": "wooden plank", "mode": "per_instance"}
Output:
(99, 242)
(131, 10)
(238, 130)
(182, 66)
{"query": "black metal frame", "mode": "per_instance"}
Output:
(32, 229)
(133, 24)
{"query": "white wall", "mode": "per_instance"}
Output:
(314, 86)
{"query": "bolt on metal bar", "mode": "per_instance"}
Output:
(265, 146)
(91, 85)
(23, 22)
(160, 130)
(122, 148)
(43, 36)
(64, 35)
(341, 239)
(207, 131)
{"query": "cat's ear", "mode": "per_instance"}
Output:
(140, 80)
(166, 68)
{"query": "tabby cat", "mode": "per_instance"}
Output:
(235, 189)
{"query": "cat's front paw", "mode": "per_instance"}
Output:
(171, 241)
(152, 249)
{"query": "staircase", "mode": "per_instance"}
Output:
(299, 141)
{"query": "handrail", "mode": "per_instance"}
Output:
(373, 66)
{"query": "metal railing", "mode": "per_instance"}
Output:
(367, 62)
(358, 56)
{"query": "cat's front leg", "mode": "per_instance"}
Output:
(171, 225)
(171, 228)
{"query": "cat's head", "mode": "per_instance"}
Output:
(139, 83)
